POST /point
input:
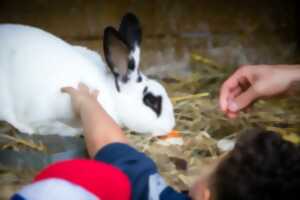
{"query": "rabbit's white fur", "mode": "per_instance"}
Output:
(35, 65)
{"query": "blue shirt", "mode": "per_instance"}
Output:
(145, 181)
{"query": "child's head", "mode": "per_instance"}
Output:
(261, 166)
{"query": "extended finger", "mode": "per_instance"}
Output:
(69, 90)
(235, 92)
(225, 91)
(244, 100)
(239, 78)
(95, 93)
(231, 84)
(83, 87)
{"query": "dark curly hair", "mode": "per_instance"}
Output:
(262, 166)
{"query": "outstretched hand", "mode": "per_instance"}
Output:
(252, 82)
(99, 128)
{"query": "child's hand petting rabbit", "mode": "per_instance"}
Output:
(99, 128)
(82, 96)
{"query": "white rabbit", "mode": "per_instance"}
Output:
(35, 65)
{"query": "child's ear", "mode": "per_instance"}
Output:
(206, 194)
(200, 191)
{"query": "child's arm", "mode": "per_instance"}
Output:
(106, 142)
(99, 128)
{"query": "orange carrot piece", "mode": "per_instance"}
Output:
(172, 134)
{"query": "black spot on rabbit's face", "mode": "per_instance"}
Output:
(152, 101)
(131, 65)
(139, 79)
(145, 90)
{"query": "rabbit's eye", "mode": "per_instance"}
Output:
(153, 102)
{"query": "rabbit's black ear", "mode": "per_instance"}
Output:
(130, 30)
(116, 52)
